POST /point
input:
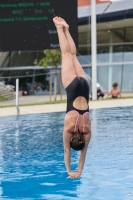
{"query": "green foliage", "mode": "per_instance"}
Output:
(3, 99)
(51, 57)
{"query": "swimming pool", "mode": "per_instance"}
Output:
(32, 163)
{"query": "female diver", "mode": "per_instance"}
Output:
(77, 125)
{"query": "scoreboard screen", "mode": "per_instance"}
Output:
(27, 25)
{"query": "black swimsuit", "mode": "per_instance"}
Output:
(78, 87)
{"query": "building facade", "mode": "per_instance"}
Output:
(114, 42)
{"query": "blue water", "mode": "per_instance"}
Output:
(32, 163)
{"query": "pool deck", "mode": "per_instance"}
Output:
(60, 107)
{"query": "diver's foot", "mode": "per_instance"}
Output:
(58, 23)
(63, 22)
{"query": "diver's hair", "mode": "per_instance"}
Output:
(77, 141)
(115, 84)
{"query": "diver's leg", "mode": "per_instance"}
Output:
(78, 68)
(68, 71)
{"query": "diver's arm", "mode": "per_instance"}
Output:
(83, 153)
(67, 157)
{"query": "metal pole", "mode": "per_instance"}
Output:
(50, 88)
(17, 96)
(93, 49)
(33, 81)
(110, 61)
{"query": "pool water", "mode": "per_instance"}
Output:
(32, 160)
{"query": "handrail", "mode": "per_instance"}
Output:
(17, 96)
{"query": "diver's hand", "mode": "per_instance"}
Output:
(74, 175)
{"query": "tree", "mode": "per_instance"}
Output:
(51, 57)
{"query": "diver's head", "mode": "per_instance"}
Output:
(77, 141)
